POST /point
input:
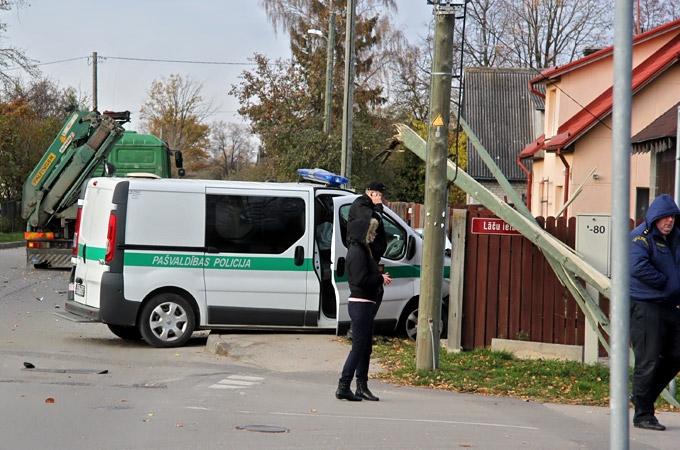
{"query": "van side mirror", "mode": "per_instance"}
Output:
(179, 159)
(411, 247)
(109, 169)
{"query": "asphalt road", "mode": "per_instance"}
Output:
(191, 398)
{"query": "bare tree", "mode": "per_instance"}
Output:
(374, 38)
(657, 12)
(534, 33)
(545, 33)
(176, 111)
(486, 23)
(231, 146)
(410, 83)
(12, 57)
(285, 15)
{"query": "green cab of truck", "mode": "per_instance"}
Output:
(139, 153)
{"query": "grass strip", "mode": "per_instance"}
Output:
(11, 237)
(487, 372)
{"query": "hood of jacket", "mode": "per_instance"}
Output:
(662, 206)
(358, 230)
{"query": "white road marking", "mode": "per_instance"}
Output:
(396, 419)
(224, 386)
(237, 382)
(245, 378)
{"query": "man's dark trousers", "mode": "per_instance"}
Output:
(655, 336)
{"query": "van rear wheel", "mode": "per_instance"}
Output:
(167, 320)
(126, 333)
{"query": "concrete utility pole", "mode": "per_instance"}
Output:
(94, 81)
(620, 298)
(348, 104)
(330, 57)
(432, 269)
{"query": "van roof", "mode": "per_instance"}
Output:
(193, 185)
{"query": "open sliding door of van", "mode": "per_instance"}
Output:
(341, 207)
(258, 245)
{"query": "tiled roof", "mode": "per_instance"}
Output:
(499, 108)
(604, 53)
(664, 126)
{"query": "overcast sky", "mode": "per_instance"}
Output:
(199, 30)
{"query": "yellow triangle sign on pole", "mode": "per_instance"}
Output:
(438, 121)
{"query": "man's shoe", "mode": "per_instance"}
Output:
(649, 424)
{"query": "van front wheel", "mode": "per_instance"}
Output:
(408, 323)
(167, 320)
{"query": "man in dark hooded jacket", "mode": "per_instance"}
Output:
(654, 316)
(369, 205)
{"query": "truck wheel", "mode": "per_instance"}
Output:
(126, 333)
(167, 320)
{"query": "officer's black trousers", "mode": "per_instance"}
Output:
(655, 336)
(362, 315)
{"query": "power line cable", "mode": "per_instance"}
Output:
(181, 61)
(78, 58)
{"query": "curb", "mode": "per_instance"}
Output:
(12, 244)
(216, 345)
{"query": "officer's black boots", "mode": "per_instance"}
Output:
(364, 393)
(345, 393)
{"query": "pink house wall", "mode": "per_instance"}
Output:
(593, 149)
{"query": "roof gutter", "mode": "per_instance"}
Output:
(530, 180)
(567, 170)
(535, 91)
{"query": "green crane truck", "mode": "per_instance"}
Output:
(89, 144)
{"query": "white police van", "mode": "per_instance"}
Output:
(160, 258)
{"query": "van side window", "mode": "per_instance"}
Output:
(253, 224)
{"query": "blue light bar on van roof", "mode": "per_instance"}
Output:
(322, 176)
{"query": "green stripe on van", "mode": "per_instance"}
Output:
(201, 261)
(402, 272)
(95, 253)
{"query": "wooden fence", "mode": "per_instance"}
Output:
(511, 292)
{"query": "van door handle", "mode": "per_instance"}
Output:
(299, 255)
(212, 250)
(340, 270)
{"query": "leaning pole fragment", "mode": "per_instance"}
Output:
(567, 265)
(530, 229)
(591, 309)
